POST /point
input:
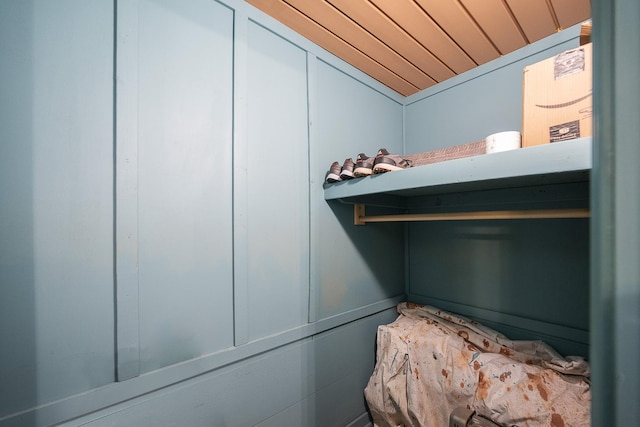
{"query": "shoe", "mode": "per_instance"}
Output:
(364, 166)
(347, 169)
(334, 172)
(386, 162)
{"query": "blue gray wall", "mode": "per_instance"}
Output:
(478, 103)
(167, 256)
(527, 278)
(615, 271)
(56, 215)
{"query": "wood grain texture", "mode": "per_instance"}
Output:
(410, 45)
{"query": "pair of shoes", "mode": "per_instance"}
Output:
(381, 163)
(341, 173)
(365, 166)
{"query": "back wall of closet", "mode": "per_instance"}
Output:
(527, 278)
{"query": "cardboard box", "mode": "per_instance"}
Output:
(557, 98)
(585, 33)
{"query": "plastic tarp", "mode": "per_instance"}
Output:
(429, 362)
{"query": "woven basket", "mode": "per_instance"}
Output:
(456, 152)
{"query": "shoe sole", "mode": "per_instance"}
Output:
(361, 172)
(332, 177)
(346, 175)
(384, 167)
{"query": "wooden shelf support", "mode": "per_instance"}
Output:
(361, 219)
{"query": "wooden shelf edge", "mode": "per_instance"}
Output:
(549, 163)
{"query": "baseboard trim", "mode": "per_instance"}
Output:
(362, 421)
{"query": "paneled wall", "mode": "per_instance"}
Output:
(315, 381)
(183, 129)
(276, 161)
(56, 216)
(167, 256)
(349, 259)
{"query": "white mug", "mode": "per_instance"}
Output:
(503, 141)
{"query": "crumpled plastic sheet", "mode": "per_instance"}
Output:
(430, 361)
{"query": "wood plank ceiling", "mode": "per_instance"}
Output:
(410, 45)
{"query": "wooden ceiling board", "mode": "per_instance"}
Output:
(410, 45)
(535, 18)
(571, 12)
(456, 22)
(413, 20)
(497, 23)
(319, 35)
(374, 21)
(337, 23)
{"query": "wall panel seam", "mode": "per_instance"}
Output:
(240, 180)
(314, 231)
(126, 191)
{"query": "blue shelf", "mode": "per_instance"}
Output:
(568, 161)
